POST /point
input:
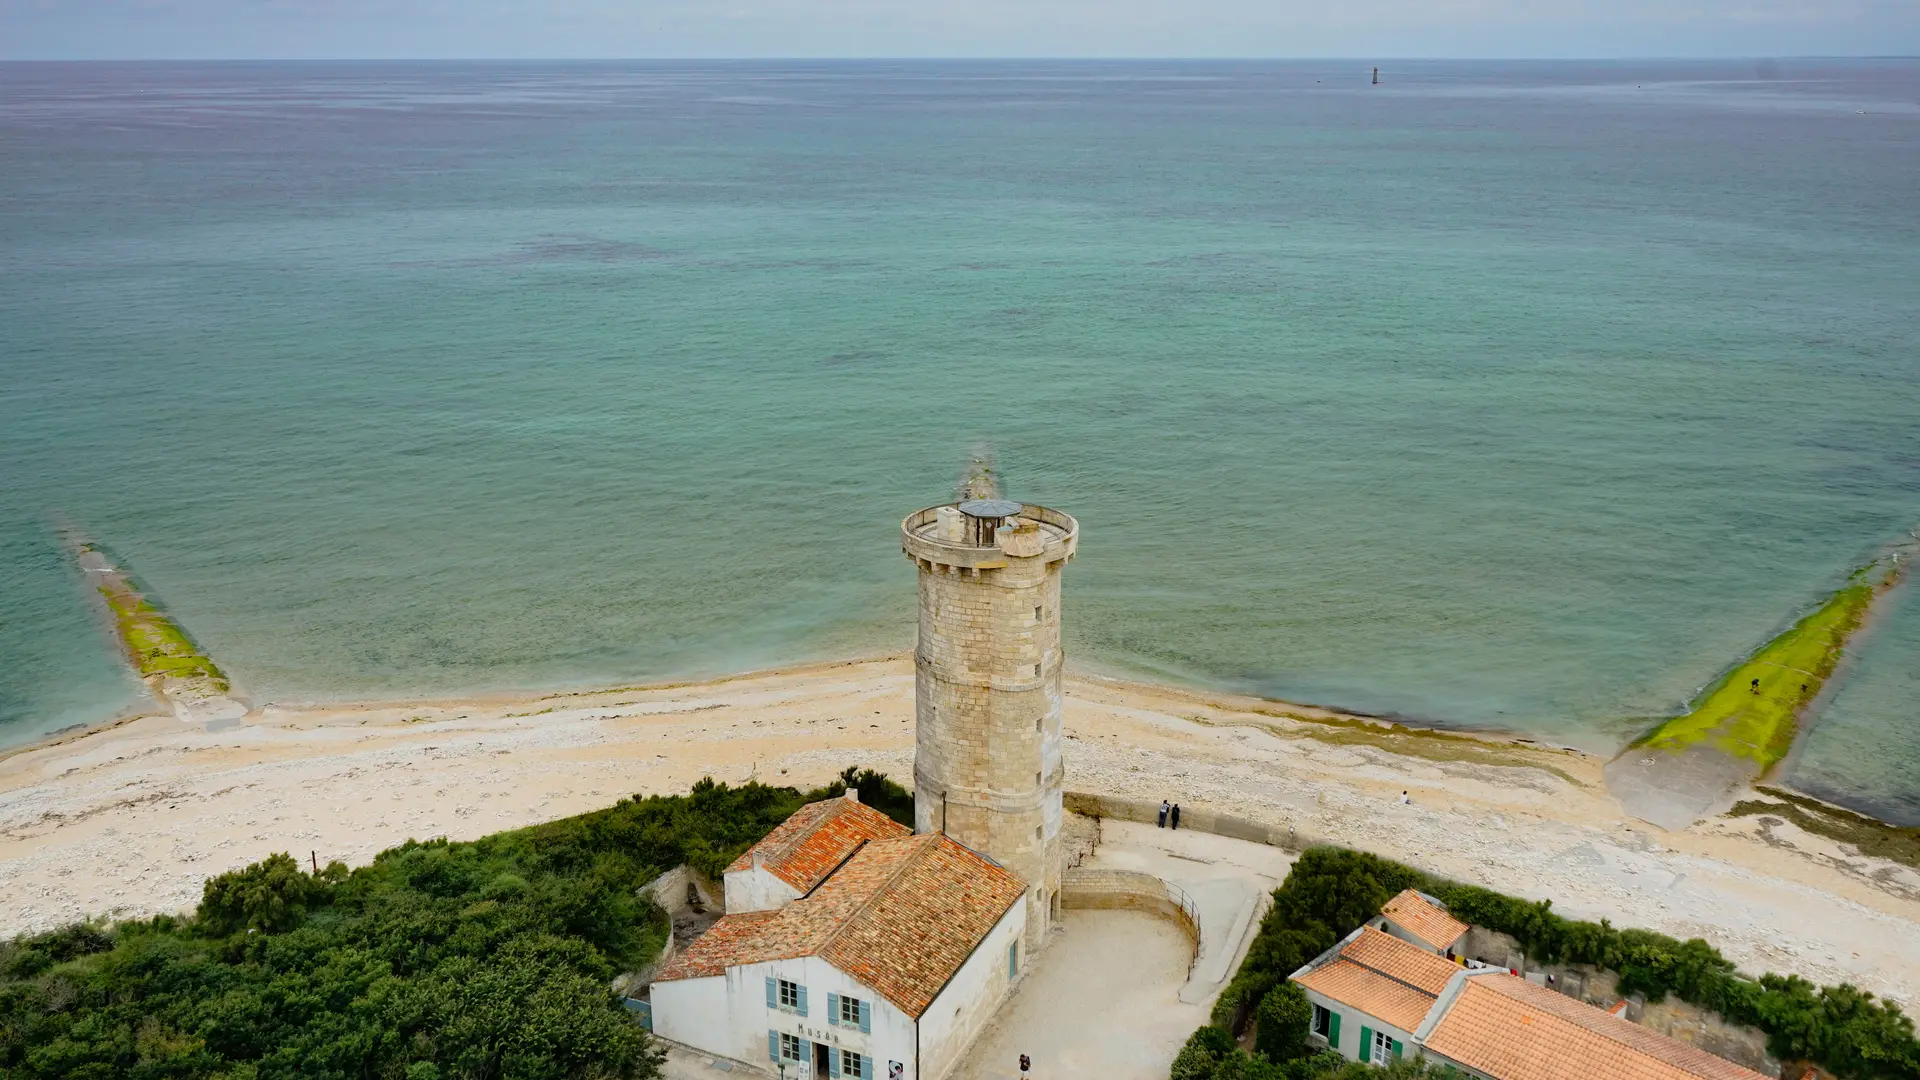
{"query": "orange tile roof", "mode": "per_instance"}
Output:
(1395, 958)
(1382, 976)
(805, 848)
(1510, 1029)
(1371, 992)
(1418, 916)
(900, 916)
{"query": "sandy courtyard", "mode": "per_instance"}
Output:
(1102, 1000)
(131, 820)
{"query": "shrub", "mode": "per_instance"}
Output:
(273, 895)
(1282, 1021)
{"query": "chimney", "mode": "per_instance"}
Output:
(759, 857)
(853, 794)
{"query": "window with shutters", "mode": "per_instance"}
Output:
(1322, 1022)
(850, 1011)
(789, 995)
(1381, 1053)
(852, 1064)
(790, 1047)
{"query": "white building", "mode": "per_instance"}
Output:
(856, 949)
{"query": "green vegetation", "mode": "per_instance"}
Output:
(1759, 724)
(1331, 891)
(1210, 1054)
(156, 645)
(489, 960)
(1868, 836)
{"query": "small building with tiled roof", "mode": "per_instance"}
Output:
(801, 851)
(1419, 919)
(891, 954)
(1377, 998)
(1371, 993)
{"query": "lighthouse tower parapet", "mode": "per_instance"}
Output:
(987, 769)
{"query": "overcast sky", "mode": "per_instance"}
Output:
(122, 29)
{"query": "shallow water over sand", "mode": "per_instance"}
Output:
(1513, 395)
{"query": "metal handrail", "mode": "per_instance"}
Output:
(1192, 911)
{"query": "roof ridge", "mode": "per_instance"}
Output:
(886, 883)
(1421, 990)
(1418, 955)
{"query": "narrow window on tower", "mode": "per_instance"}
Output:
(1039, 724)
(1036, 832)
(1036, 779)
(1036, 671)
(1036, 614)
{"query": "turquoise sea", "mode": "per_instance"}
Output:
(1526, 396)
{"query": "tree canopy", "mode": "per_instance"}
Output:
(485, 960)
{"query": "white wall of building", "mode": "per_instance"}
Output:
(728, 1015)
(1352, 1020)
(972, 996)
(756, 889)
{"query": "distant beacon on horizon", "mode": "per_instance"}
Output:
(987, 769)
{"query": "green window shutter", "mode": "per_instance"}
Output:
(866, 1016)
(801, 1005)
(1397, 1048)
(1366, 1043)
(1333, 1030)
(773, 1044)
(773, 993)
(833, 1009)
(833, 1061)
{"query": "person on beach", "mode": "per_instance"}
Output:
(1173, 818)
(1756, 686)
(1163, 813)
(1405, 799)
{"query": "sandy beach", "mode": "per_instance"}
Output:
(130, 820)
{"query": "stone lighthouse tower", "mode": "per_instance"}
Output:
(987, 769)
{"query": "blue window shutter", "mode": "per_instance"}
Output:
(866, 1062)
(833, 1061)
(833, 1009)
(801, 1005)
(773, 993)
(773, 1044)
(866, 1016)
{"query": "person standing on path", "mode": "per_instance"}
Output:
(1173, 819)
(1163, 813)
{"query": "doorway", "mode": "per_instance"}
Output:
(820, 1061)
